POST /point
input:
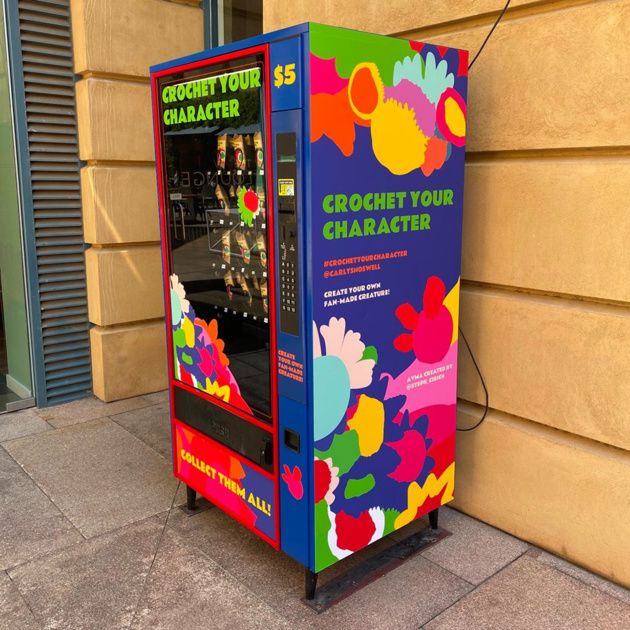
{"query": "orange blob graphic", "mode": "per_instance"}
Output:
(364, 91)
(332, 116)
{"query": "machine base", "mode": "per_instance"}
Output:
(368, 571)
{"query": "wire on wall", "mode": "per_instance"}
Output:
(461, 332)
(485, 41)
(483, 384)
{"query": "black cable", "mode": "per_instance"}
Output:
(483, 384)
(461, 332)
(485, 41)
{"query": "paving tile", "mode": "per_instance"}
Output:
(240, 552)
(586, 576)
(17, 424)
(407, 597)
(95, 585)
(475, 551)
(529, 594)
(30, 524)
(14, 612)
(188, 589)
(157, 397)
(279, 580)
(253, 561)
(88, 409)
(151, 424)
(98, 474)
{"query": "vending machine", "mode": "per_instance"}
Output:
(310, 187)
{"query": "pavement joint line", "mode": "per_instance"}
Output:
(37, 411)
(46, 494)
(68, 427)
(149, 404)
(437, 564)
(464, 595)
(28, 606)
(577, 579)
(122, 426)
(157, 549)
(19, 437)
(240, 581)
(52, 552)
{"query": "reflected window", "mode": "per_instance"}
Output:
(232, 20)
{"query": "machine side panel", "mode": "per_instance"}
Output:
(387, 136)
(293, 437)
(285, 61)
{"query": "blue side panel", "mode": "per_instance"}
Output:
(294, 453)
(308, 279)
(385, 228)
(294, 469)
(265, 38)
(286, 74)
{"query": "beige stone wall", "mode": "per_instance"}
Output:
(546, 261)
(115, 42)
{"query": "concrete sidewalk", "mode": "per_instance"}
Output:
(91, 537)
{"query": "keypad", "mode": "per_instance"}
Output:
(288, 286)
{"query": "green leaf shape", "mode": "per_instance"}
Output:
(370, 352)
(390, 518)
(344, 451)
(187, 359)
(179, 338)
(359, 487)
(350, 48)
(246, 216)
(323, 556)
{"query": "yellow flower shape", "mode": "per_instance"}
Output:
(397, 141)
(369, 423)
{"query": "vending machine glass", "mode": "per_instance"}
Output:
(310, 187)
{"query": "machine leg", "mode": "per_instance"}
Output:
(310, 584)
(433, 518)
(191, 498)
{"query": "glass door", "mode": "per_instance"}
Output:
(213, 140)
(15, 357)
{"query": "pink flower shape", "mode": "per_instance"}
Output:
(347, 346)
(293, 479)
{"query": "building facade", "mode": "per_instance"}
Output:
(545, 297)
(80, 264)
(545, 300)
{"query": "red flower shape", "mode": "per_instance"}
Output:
(322, 479)
(354, 533)
(431, 329)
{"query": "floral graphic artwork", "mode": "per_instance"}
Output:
(248, 206)
(293, 479)
(343, 364)
(326, 480)
(199, 357)
(431, 329)
(387, 118)
(383, 457)
(406, 98)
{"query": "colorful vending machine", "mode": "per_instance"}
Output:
(310, 188)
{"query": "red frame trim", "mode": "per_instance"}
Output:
(247, 462)
(246, 52)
